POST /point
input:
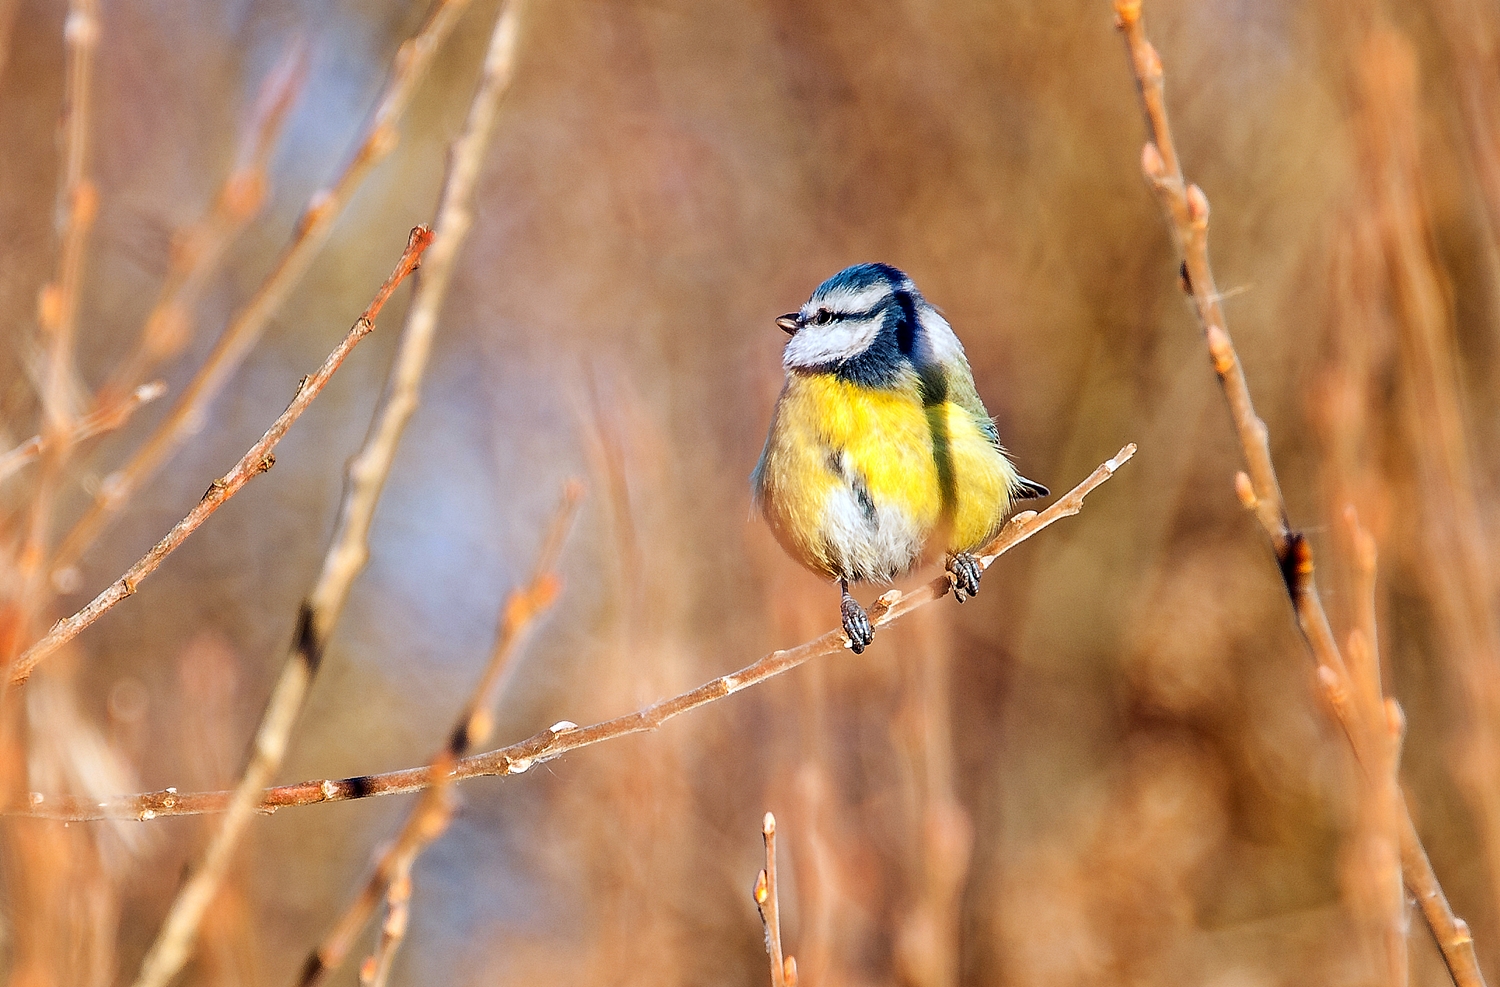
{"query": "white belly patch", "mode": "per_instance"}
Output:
(866, 540)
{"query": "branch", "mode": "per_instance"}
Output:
(1451, 932)
(1374, 725)
(105, 419)
(376, 969)
(367, 473)
(429, 818)
(170, 950)
(57, 312)
(255, 462)
(1186, 209)
(380, 138)
(77, 207)
(565, 736)
(783, 968)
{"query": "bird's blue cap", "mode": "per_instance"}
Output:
(862, 276)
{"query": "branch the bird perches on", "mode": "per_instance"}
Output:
(565, 736)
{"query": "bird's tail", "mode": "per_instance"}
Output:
(1024, 489)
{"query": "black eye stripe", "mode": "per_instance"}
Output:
(833, 316)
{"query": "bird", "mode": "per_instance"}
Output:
(880, 450)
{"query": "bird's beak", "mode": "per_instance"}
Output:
(789, 323)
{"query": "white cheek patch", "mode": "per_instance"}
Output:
(816, 346)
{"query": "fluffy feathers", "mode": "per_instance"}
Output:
(880, 448)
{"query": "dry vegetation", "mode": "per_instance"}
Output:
(1129, 760)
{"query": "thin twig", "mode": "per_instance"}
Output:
(1402, 250)
(767, 901)
(170, 950)
(429, 818)
(197, 250)
(380, 138)
(566, 736)
(106, 419)
(367, 473)
(376, 968)
(1186, 208)
(255, 462)
(1451, 932)
(1374, 725)
(57, 310)
(77, 207)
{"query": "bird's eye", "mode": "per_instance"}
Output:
(822, 317)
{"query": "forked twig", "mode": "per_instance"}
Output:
(1186, 208)
(566, 736)
(429, 818)
(256, 461)
(1374, 726)
(783, 967)
(380, 138)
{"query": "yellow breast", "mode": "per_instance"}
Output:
(856, 481)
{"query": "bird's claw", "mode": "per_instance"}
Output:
(965, 571)
(856, 625)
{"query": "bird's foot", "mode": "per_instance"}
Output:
(965, 571)
(856, 623)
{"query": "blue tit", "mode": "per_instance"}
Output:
(880, 449)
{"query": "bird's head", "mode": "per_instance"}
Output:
(871, 314)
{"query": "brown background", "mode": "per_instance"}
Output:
(1113, 766)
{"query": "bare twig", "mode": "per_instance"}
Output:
(429, 818)
(566, 736)
(767, 901)
(1451, 932)
(1374, 725)
(77, 207)
(380, 138)
(106, 419)
(197, 250)
(1186, 208)
(1401, 244)
(57, 309)
(376, 968)
(367, 473)
(255, 462)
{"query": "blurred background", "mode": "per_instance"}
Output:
(1113, 766)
